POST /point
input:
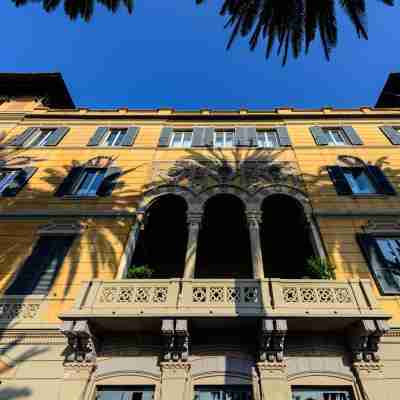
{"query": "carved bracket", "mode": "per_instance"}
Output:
(176, 339)
(82, 343)
(272, 340)
(364, 338)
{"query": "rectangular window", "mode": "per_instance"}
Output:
(41, 267)
(115, 137)
(359, 180)
(267, 139)
(233, 392)
(224, 138)
(321, 394)
(125, 393)
(181, 139)
(6, 177)
(40, 138)
(89, 182)
(336, 137)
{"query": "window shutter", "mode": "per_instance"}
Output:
(57, 136)
(283, 136)
(352, 135)
(339, 180)
(98, 136)
(109, 181)
(165, 136)
(376, 262)
(130, 136)
(198, 139)
(252, 136)
(319, 135)
(241, 137)
(19, 182)
(22, 138)
(209, 137)
(392, 134)
(384, 186)
(67, 184)
(40, 269)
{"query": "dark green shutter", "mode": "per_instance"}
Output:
(209, 137)
(283, 136)
(165, 136)
(319, 135)
(392, 134)
(22, 138)
(241, 137)
(384, 186)
(98, 136)
(109, 181)
(352, 135)
(57, 136)
(19, 181)
(252, 136)
(198, 139)
(341, 185)
(67, 184)
(130, 136)
(39, 271)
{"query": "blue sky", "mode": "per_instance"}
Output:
(171, 53)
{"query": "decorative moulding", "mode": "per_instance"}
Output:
(62, 228)
(376, 226)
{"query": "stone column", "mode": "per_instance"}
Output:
(175, 381)
(254, 220)
(194, 221)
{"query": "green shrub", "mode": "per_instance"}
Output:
(139, 272)
(319, 268)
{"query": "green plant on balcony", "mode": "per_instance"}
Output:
(320, 268)
(139, 272)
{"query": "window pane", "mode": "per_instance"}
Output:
(228, 139)
(320, 394)
(338, 137)
(261, 139)
(120, 137)
(359, 181)
(90, 182)
(219, 139)
(177, 139)
(41, 138)
(187, 139)
(111, 138)
(6, 178)
(272, 139)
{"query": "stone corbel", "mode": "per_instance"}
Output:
(272, 340)
(167, 332)
(176, 340)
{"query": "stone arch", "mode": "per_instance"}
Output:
(297, 194)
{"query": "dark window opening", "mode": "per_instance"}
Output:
(321, 393)
(161, 245)
(125, 393)
(224, 244)
(285, 238)
(223, 392)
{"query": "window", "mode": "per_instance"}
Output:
(125, 393)
(40, 137)
(360, 181)
(115, 137)
(267, 138)
(224, 138)
(383, 256)
(13, 180)
(40, 269)
(181, 139)
(223, 393)
(6, 177)
(336, 137)
(89, 182)
(321, 394)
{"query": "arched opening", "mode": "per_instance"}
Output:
(161, 245)
(224, 243)
(285, 238)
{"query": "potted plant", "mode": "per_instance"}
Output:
(139, 272)
(320, 268)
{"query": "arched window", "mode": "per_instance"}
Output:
(285, 238)
(224, 244)
(162, 243)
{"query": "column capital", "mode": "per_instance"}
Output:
(254, 219)
(194, 218)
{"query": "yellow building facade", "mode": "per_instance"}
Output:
(189, 254)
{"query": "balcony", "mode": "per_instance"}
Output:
(299, 301)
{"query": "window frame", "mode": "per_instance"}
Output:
(224, 132)
(76, 185)
(149, 389)
(121, 133)
(222, 389)
(42, 143)
(323, 389)
(265, 132)
(369, 177)
(330, 136)
(15, 172)
(182, 132)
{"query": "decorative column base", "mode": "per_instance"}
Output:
(175, 381)
(273, 381)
